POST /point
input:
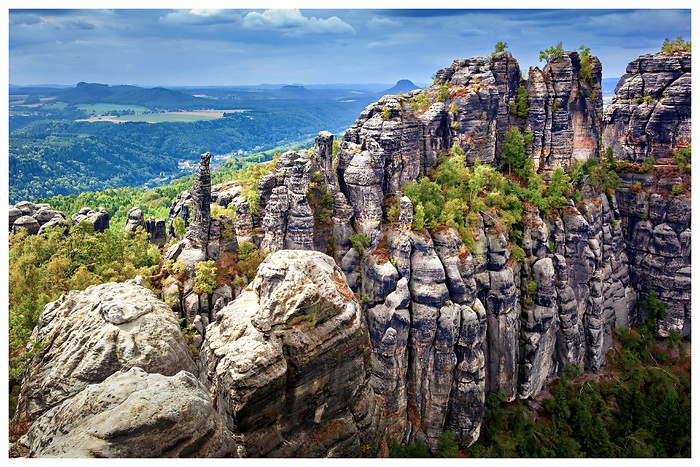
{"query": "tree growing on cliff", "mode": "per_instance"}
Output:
(500, 47)
(585, 74)
(513, 152)
(676, 46)
(552, 53)
(519, 105)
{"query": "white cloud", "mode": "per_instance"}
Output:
(199, 17)
(293, 23)
(377, 23)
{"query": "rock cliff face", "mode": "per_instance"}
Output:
(288, 221)
(448, 325)
(95, 333)
(650, 113)
(288, 363)
(134, 414)
(565, 110)
(658, 236)
(36, 218)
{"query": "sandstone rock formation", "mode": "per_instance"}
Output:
(133, 414)
(90, 335)
(564, 110)
(288, 221)
(154, 227)
(35, 218)
(650, 113)
(288, 363)
(99, 219)
(198, 230)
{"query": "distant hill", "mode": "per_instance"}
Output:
(294, 92)
(153, 98)
(403, 85)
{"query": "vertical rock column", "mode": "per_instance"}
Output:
(201, 194)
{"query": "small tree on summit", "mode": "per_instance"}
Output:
(552, 53)
(500, 47)
(678, 45)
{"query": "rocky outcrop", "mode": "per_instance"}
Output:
(288, 363)
(154, 227)
(99, 219)
(468, 105)
(198, 230)
(35, 218)
(87, 336)
(288, 221)
(564, 109)
(650, 114)
(133, 414)
(447, 324)
(657, 230)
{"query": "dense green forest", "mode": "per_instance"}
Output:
(50, 158)
(51, 153)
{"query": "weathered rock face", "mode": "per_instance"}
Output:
(473, 113)
(198, 230)
(448, 325)
(92, 334)
(133, 414)
(99, 219)
(288, 221)
(181, 207)
(564, 111)
(288, 363)
(35, 218)
(650, 113)
(657, 231)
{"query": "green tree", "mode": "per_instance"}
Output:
(552, 53)
(656, 309)
(677, 45)
(179, 226)
(519, 106)
(204, 277)
(500, 47)
(586, 71)
(446, 445)
(359, 241)
(513, 150)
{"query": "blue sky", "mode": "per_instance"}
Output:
(179, 47)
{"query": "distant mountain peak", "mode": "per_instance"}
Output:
(402, 85)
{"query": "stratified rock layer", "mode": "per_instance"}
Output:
(650, 113)
(133, 414)
(288, 363)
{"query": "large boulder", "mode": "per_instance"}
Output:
(133, 414)
(91, 334)
(288, 362)
(99, 219)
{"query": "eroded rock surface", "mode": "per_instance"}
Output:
(650, 115)
(90, 335)
(133, 414)
(288, 363)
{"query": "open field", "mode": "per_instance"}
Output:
(190, 116)
(102, 108)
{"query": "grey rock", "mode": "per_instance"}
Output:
(134, 414)
(95, 333)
